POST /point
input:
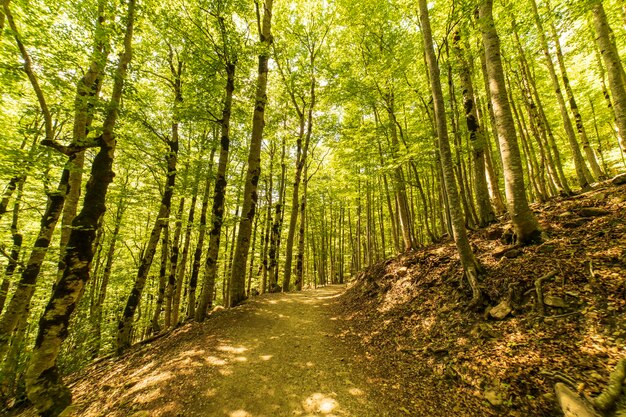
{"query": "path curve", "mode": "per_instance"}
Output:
(277, 355)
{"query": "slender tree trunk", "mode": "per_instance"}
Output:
(98, 305)
(43, 384)
(579, 163)
(524, 221)
(19, 305)
(182, 265)
(468, 260)
(125, 324)
(237, 286)
(155, 326)
(219, 196)
(486, 214)
(15, 249)
(591, 158)
(170, 291)
(197, 255)
(268, 221)
(614, 68)
(87, 93)
(300, 256)
(398, 183)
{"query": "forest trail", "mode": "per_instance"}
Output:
(276, 355)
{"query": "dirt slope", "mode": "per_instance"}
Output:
(435, 358)
(278, 355)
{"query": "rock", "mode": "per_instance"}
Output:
(493, 397)
(500, 311)
(401, 271)
(513, 253)
(619, 179)
(592, 212)
(571, 404)
(552, 301)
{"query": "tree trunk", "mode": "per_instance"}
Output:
(170, 291)
(579, 163)
(87, 93)
(19, 305)
(468, 260)
(43, 384)
(125, 324)
(237, 285)
(486, 214)
(96, 316)
(614, 69)
(591, 157)
(524, 221)
(197, 255)
(155, 327)
(300, 256)
(219, 195)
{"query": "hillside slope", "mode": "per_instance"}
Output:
(436, 358)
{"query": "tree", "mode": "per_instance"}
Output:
(238, 275)
(468, 260)
(524, 221)
(43, 385)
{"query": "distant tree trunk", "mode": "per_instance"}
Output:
(170, 290)
(524, 221)
(485, 212)
(155, 326)
(219, 195)
(268, 221)
(237, 281)
(197, 255)
(182, 265)
(614, 68)
(591, 158)
(300, 255)
(125, 324)
(399, 183)
(43, 384)
(96, 313)
(468, 260)
(249, 274)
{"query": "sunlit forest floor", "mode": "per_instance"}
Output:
(436, 358)
(401, 340)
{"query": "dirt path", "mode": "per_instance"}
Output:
(279, 355)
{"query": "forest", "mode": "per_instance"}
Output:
(165, 163)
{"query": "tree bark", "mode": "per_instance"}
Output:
(524, 221)
(197, 255)
(125, 324)
(43, 383)
(237, 280)
(486, 214)
(468, 260)
(219, 195)
(582, 133)
(614, 68)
